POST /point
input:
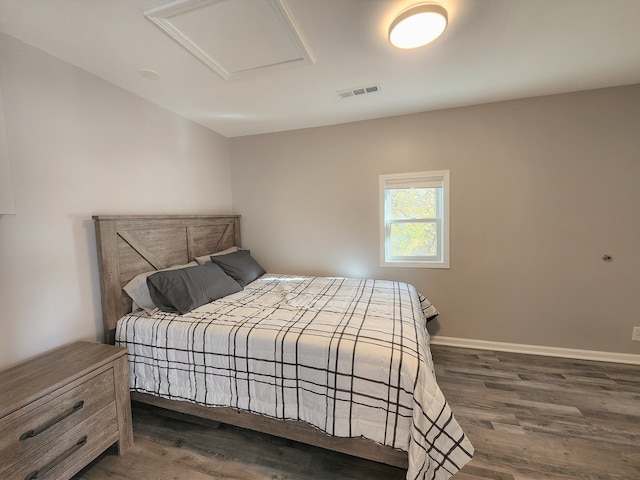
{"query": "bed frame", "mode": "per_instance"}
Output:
(129, 245)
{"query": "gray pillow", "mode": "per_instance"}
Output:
(138, 290)
(240, 265)
(188, 288)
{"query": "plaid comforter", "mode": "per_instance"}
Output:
(349, 356)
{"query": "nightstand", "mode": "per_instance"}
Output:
(62, 409)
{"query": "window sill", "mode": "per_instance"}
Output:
(441, 265)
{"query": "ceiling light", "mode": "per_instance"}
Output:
(418, 25)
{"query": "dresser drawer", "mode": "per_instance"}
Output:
(75, 447)
(30, 429)
(63, 408)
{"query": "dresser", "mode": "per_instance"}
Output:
(62, 409)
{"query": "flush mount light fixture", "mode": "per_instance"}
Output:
(418, 25)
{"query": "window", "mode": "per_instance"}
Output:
(414, 220)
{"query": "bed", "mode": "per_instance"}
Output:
(339, 363)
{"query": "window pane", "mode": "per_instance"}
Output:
(407, 203)
(413, 239)
(414, 219)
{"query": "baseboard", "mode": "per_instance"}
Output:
(613, 357)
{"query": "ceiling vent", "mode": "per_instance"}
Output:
(354, 92)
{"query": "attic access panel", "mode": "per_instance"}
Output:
(234, 37)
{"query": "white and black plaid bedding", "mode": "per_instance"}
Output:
(349, 356)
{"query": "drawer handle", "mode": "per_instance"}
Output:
(38, 473)
(32, 433)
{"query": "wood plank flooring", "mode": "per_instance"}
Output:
(529, 418)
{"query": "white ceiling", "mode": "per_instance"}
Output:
(492, 50)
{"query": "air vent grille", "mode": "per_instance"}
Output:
(354, 92)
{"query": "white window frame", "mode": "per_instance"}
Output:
(438, 178)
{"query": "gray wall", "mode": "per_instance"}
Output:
(541, 189)
(79, 146)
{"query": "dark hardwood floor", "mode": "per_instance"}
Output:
(529, 418)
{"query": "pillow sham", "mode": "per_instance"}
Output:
(240, 266)
(188, 288)
(207, 258)
(139, 292)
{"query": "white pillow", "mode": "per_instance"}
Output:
(139, 292)
(207, 258)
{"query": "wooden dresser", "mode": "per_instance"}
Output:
(62, 409)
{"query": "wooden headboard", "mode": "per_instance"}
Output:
(129, 245)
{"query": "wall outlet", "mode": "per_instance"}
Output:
(635, 336)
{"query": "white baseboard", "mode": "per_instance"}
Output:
(629, 358)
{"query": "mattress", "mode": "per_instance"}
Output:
(348, 356)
